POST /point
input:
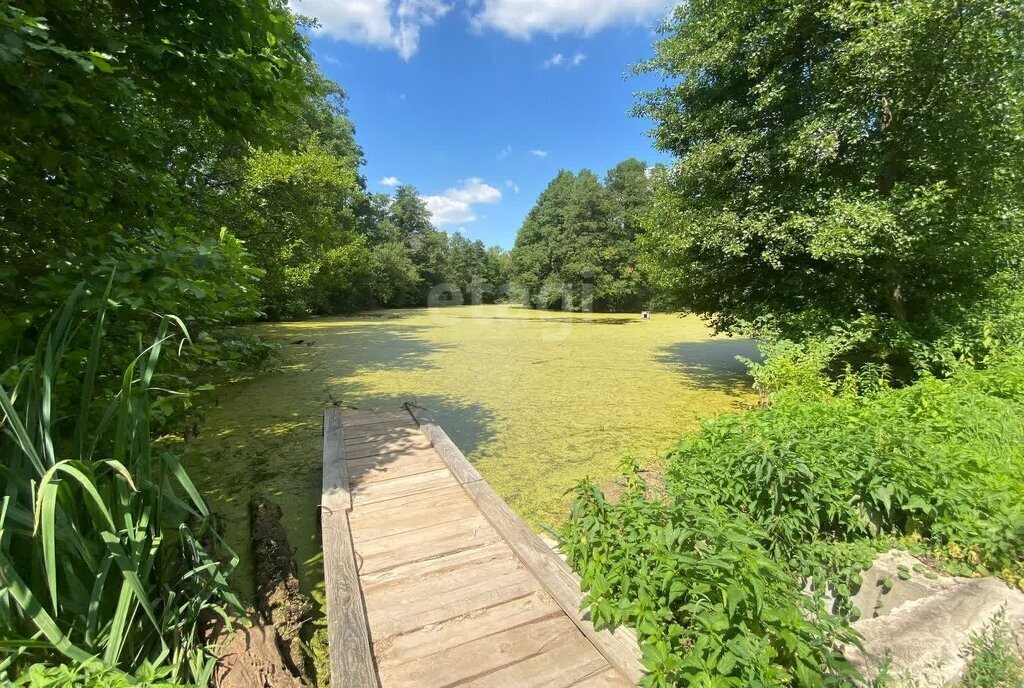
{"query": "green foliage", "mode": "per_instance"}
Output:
(114, 121)
(710, 605)
(97, 560)
(940, 460)
(808, 487)
(393, 275)
(92, 675)
(577, 247)
(810, 369)
(844, 164)
(296, 208)
(994, 660)
(403, 237)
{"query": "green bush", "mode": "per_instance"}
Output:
(92, 675)
(710, 604)
(101, 559)
(993, 659)
(941, 459)
(759, 504)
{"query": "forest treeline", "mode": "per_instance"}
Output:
(216, 175)
(578, 249)
(212, 171)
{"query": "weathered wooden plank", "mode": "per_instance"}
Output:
(607, 678)
(415, 502)
(351, 658)
(402, 520)
(618, 646)
(384, 434)
(335, 469)
(395, 596)
(482, 655)
(354, 434)
(460, 466)
(356, 417)
(362, 451)
(448, 637)
(374, 469)
(562, 663)
(399, 487)
(450, 604)
(379, 582)
(427, 542)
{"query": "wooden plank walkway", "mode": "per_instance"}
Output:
(433, 581)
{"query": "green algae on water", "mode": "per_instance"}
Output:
(537, 400)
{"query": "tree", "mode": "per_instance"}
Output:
(853, 166)
(576, 248)
(112, 120)
(393, 276)
(409, 222)
(409, 217)
(630, 185)
(299, 208)
(295, 209)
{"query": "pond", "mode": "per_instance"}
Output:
(537, 400)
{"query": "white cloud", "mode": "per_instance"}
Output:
(455, 206)
(539, 153)
(447, 211)
(512, 185)
(382, 23)
(560, 60)
(556, 60)
(390, 181)
(412, 15)
(475, 190)
(524, 18)
(505, 152)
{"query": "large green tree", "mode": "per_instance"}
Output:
(300, 207)
(842, 165)
(577, 247)
(113, 119)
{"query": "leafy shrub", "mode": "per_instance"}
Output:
(941, 459)
(97, 560)
(710, 604)
(756, 505)
(92, 675)
(993, 660)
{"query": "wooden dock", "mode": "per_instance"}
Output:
(432, 580)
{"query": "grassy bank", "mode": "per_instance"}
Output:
(711, 570)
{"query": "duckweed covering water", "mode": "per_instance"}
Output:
(537, 400)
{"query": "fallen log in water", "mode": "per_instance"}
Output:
(268, 653)
(278, 597)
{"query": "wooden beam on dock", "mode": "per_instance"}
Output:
(619, 646)
(352, 664)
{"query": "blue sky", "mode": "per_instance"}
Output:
(479, 103)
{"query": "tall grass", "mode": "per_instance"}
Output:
(100, 552)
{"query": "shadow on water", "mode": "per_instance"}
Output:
(264, 434)
(712, 363)
(577, 320)
(357, 349)
(468, 425)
